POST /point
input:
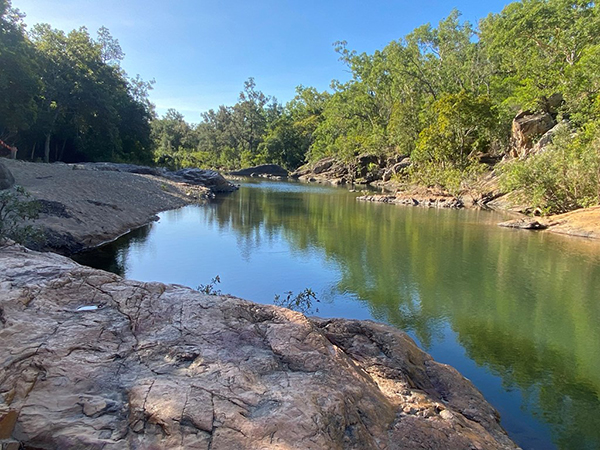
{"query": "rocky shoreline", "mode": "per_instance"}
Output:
(486, 195)
(90, 360)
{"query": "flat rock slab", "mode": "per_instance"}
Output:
(90, 360)
(85, 205)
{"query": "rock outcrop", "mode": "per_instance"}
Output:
(210, 179)
(89, 360)
(326, 170)
(363, 169)
(527, 128)
(264, 170)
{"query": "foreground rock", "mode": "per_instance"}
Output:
(89, 360)
(85, 205)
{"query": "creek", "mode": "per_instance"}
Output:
(516, 312)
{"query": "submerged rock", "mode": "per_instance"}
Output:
(89, 360)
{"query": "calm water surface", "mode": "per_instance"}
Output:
(518, 313)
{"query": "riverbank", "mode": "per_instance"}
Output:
(485, 194)
(92, 360)
(83, 206)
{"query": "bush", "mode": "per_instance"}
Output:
(16, 209)
(445, 175)
(563, 177)
(301, 302)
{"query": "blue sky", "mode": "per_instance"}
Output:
(201, 51)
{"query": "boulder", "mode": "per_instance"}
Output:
(366, 167)
(90, 360)
(527, 128)
(323, 165)
(265, 170)
(6, 178)
(548, 138)
(326, 170)
(399, 164)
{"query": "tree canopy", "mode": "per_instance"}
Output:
(64, 96)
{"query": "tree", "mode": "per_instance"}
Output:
(19, 84)
(535, 44)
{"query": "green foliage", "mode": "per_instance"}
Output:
(563, 177)
(442, 94)
(16, 210)
(537, 47)
(301, 302)
(447, 176)
(19, 83)
(460, 126)
(256, 130)
(209, 289)
(65, 97)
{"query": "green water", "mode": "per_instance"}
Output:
(516, 312)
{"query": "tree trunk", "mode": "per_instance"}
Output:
(33, 150)
(47, 149)
(62, 150)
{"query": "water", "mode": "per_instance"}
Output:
(516, 312)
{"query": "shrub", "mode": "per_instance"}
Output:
(563, 177)
(301, 302)
(16, 209)
(209, 289)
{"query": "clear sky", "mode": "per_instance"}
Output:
(201, 51)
